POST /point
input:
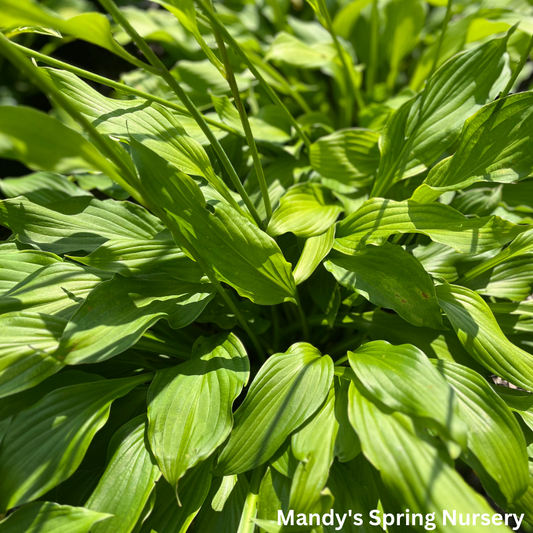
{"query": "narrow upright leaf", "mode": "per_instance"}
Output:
(190, 405)
(128, 480)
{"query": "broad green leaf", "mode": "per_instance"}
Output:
(514, 317)
(17, 265)
(347, 156)
(390, 277)
(378, 218)
(424, 127)
(273, 495)
(494, 437)
(313, 446)
(41, 188)
(411, 467)
(402, 378)
(237, 251)
(128, 480)
(170, 517)
(45, 517)
(56, 289)
(46, 443)
(147, 122)
(315, 249)
(525, 503)
(289, 49)
(223, 509)
(190, 405)
(511, 280)
(28, 342)
(405, 20)
(42, 142)
(307, 210)
(132, 257)
(80, 223)
(482, 337)
(496, 145)
(288, 389)
(91, 27)
(101, 329)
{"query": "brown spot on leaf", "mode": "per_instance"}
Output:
(424, 295)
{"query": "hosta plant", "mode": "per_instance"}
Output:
(282, 267)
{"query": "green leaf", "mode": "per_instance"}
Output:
(482, 337)
(128, 480)
(411, 468)
(402, 378)
(28, 342)
(189, 405)
(495, 439)
(390, 277)
(307, 210)
(41, 188)
(56, 289)
(132, 257)
(18, 265)
(237, 251)
(348, 155)
(101, 329)
(292, 51)
(45, 443)
(91, 27)
(45, 517)
(279, 400)
(378, 218)
(80, 223)
(315, 249)
(496, 145)
(511, 280)
(43, 143)
(424, 127)
(148, 122)
(168, 516)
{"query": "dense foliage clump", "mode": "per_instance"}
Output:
(282, 261)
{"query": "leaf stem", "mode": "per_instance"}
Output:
(445, 23)
(249, 512)
(115, 12)
(245, 124)
(373, 59)
(120, 87)
(520, 65)
(122, 172)
(216, 24)
(350, 83)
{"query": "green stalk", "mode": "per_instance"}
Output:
(517, 69)
(120, 87)
(246, 125)
(115, 12)
(250, 505)
(216, 24)
(350, 83)
(303, 319)
(123, 173)
(445, 23)
(374, 35)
